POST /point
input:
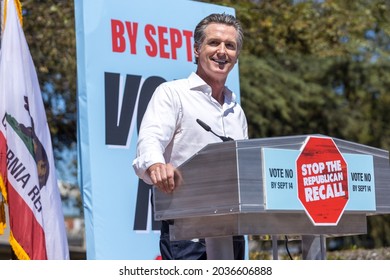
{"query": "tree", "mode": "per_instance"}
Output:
(49, 27)
(315, 71)
(50, 31)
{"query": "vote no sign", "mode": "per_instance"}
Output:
(322, 180)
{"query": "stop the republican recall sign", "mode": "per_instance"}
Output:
(322, 180)
(319, 180)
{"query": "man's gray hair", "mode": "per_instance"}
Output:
(199, 33)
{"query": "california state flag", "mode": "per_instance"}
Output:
(28, 180)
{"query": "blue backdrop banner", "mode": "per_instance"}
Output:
(125, 49)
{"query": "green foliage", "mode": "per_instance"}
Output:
(316, 67)
(50, 31)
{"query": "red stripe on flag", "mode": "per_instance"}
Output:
(25, 228)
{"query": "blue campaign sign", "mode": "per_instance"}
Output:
(280, 187)
(361, 181)
(125, 49)
(280, 184)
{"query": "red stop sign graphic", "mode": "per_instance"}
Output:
(322, 180)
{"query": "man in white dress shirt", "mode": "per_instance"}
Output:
(169, 133)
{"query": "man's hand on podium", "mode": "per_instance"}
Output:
(163, 176)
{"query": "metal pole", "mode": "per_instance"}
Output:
(313, 247)
(219, 248)
(275, 254)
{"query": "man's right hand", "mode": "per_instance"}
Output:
(162, 176)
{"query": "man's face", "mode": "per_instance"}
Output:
(218, 53)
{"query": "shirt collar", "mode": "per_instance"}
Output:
(197, 83)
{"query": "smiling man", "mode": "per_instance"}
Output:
(169, 133)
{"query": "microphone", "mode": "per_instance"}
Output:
(207, 128)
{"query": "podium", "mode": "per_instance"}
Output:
(222, 192)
